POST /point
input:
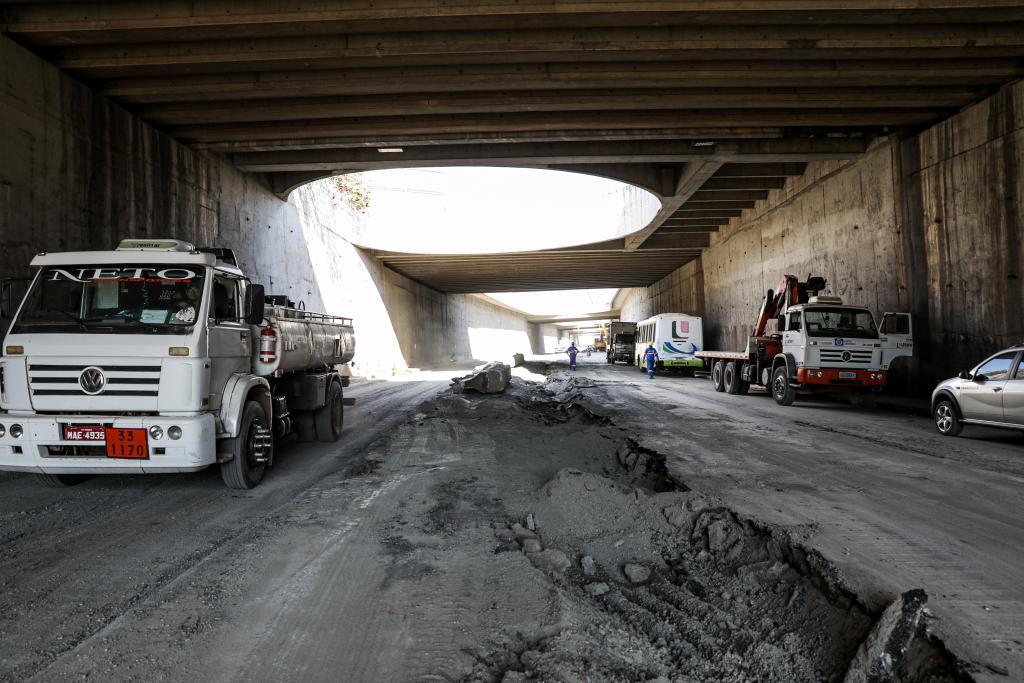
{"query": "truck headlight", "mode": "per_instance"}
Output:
(156, 432)
(3, 431)
(17, 431)
(174, 432)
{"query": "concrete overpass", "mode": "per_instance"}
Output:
(709, 105)
(876, 143)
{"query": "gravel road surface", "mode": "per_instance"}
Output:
(601, 526)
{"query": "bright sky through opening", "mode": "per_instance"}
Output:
(496, 210)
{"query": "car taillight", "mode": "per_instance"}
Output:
(268, 345)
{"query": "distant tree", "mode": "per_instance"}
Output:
(350, 190)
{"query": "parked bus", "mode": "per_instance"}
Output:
(676, 336)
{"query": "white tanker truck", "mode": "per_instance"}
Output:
(160, 357)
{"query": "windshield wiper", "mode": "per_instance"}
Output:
(135, 321)
(67, 315)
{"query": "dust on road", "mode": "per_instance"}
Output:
(528, 535)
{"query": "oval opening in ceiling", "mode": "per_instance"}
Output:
(494, 210)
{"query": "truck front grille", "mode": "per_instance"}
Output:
(120, 380)
(837, 357)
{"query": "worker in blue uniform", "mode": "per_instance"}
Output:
(572, 351)
(650, 358)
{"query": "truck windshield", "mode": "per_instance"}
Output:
(123, 299)
(839, 322)
(624, 339)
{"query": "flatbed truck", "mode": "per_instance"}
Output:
(818, 344)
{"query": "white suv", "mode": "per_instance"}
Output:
(991, 394)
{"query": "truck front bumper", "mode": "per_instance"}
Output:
(840, 378)
(42, 448)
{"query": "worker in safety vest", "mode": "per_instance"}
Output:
(650, 358)
(572, 351)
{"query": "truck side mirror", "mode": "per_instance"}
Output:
(255, 302)
(5, 300)
(12, 291)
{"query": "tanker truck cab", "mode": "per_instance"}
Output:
(146, 359)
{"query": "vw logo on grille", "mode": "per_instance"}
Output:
(92, 381)
(846, 356)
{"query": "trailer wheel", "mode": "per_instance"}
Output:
(718, 375)
(331, 416)
(61, 481)
(782, 390)
(252, 449)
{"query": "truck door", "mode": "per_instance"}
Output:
(1013, 396)
(896, 336)
(981, 398)
(229, 343)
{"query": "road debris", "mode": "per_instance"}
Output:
(491, 378)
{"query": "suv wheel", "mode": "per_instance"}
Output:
(946, 419)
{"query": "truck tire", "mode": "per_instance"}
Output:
(782, 391)
(245, 470)
(947, 420)
(717, 375)
(305, 425)
(609, 360)
(331, 416)
(731, 378)
(60, 481)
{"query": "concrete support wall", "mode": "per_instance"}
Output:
(931, 224)
(680, 292)
(77, 172)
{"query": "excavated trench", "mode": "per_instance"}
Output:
(658, 582)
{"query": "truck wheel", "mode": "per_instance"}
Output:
(744, 386)
(946, 419)
(305, 425)
(60, 481)
(782, 390)
(609, 360)
(718, 375)
(731, 378)
(331, 416)
(252, 449)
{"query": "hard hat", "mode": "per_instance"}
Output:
(650, 344)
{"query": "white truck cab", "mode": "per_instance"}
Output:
(834, 344)
(153, 357)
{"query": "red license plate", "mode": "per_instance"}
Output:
(84, 433)
(127, 443)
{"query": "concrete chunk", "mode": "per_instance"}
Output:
(550, 560)
(492, 378)
(636, 573)
(882, 652)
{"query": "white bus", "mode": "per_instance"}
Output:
(676, 337)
